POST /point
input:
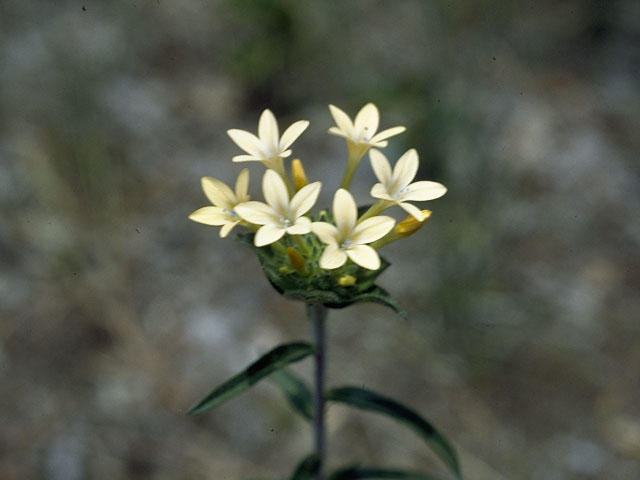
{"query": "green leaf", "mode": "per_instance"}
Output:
(367, 400)
(353, 473)
(295, 390)
(265, 365)
(307, 468)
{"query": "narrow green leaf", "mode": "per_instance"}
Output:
(295, 390)
(277, 358)
(354, 473)
(307, 468)
(368, 400)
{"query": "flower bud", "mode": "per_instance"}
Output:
(347, 281)
(297, 172)
(295, 259)
(410, 225)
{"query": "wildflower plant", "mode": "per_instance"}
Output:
(327, 259)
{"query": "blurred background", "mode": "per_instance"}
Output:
(117, 313)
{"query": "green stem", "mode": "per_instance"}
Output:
(317, 313)
(375, 209)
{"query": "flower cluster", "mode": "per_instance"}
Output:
(342, 243)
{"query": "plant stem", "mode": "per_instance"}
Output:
(318, 314)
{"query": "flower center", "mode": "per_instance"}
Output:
(401, 192)
(232, 214)
(346, 245)
(286, 223)
(364, 136)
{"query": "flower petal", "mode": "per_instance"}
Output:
(301, 227)
(247, 158)
(372, 229)
(423, 191)
(218, 193)
(227, 227)
(380, 191)
(258, 213)
(389, 132)
(381, 167)
(292, 133)
(242, 185)
(345, 212)
(413, 211)
(268, 130)
(342, 120)
(365, 256)
(326, 232)
(275, 192)
(367, 120)
(405, 169)
(246, 141)
(332, 257)
(338, 132)
(268, 234)
(304, 199)
(210, 216)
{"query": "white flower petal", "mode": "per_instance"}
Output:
(210, 216)
(304, 199)
(268, 130)
(378, 144)
(372, 229)
(246, 141)
(301, 227)
(332, 257)
(412, 210)
(389, 132)
(242, 185)
(218, 193)
(365, 256)
(381, 192)
(275, 192)
(345, 212)
(227, 227)
(367, 120)
(292, 133)
(338, 132)
(326, 232)
(381, 167)
(246, 158)
(423, 191)
(342, 120)
(405, 170)
(268, 234)
(258, 213)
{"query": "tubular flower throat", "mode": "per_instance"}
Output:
(268, 147)
(395, 185)
(347, 238)
(224, 201)
(279, 215)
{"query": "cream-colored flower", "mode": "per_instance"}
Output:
(395, 185)
(347, 238)
(224, 202)
(279, 215)
(268, 147)
(362, 131)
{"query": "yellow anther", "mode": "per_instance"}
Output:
(410, 225)
(297, 172)
(347, 280)
(295, 259)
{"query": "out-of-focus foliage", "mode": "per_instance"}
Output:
(521, 290)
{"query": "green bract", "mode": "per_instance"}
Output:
(310, 283)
